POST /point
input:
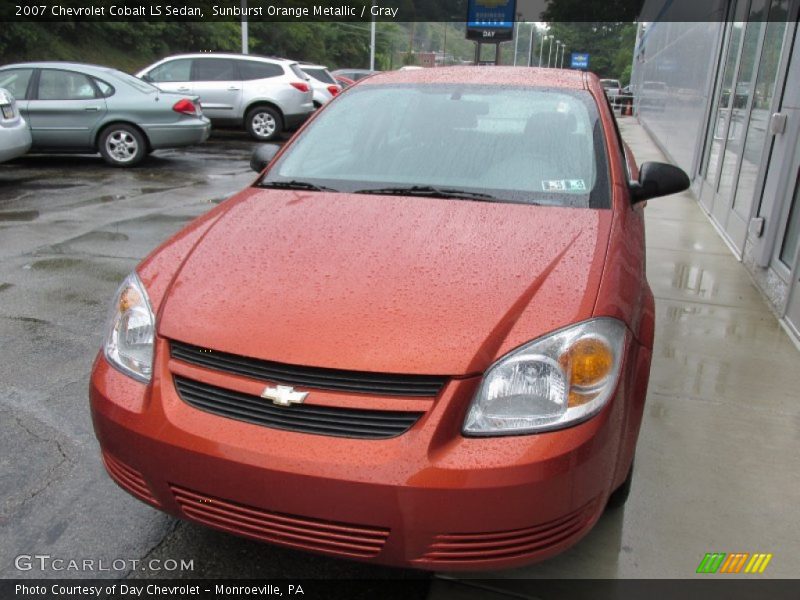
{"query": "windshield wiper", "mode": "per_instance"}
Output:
(430, 191)
(294, 184)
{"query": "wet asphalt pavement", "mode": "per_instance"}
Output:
(71, 229)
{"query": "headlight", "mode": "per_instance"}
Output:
(554, 382)
(131, 331)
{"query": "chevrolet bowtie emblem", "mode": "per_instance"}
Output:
(283, 395)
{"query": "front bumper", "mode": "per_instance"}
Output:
(429, 499)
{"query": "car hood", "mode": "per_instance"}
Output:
(384, 284)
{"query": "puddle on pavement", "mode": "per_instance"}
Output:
(19, 215)
(32, 320)
(156, 190)
(55, 264)
(90, 238)
(155, 219)
(98, 200)
(99, 270)
(74, 298)
(47, 185)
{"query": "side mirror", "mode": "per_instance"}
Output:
(147, 78)
(262, 156)
(658, 179)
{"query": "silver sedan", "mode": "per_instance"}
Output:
(78, 108)
(15, 137)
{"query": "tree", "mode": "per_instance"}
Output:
(610, 45)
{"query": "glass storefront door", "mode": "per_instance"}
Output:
(740, 122)
(788, 252)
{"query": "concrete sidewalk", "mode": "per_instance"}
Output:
(717, 460)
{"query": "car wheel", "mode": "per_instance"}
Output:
(122, 145)
(620, 495)
(264, 123)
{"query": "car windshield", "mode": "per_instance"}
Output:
(528, 145)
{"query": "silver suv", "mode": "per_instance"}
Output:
(266, 95)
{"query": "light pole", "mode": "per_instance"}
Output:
(444, 51)
(516, 39)
(550, 50)
(372, 41)
(563, 50)
(245, 34)
(530, 47)
(541, 48)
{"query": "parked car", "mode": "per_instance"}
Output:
(79, 108)
(465, 394)
(612, 88)
(264, 95)
(354, 74)
(624, 99)
(344, 82)
(15, 137)
(323, 83)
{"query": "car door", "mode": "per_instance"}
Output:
(172, 76)
(218, 83)
(64, 110)
(18, 83)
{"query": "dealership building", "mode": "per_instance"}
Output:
(720, 94)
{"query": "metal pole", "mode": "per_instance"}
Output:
(477, 53)
(530, 47)
(245, 33)
(444, 51)
(563, 50)
(549, 51)
(541, 49)
(372, 42)
(516, 41)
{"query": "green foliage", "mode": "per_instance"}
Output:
(133, 45)
(609, 45)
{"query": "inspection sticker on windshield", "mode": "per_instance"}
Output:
(564, 185)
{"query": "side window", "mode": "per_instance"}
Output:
(174, 70)
(250, 69)
(16, 82)
(320, 75)
(65, 85)
(106, 89)
(214, 69)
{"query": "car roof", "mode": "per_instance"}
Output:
(310, 66)
(515, 76)
(234, 55)
(55, 64)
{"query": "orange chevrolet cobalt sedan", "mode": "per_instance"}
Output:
(421, 338)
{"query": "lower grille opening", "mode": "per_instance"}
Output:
(129, 479)
(345, 539)
(516, 543)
